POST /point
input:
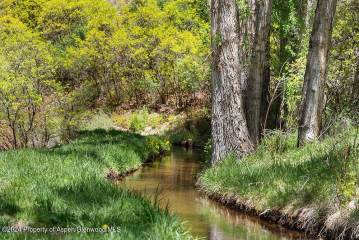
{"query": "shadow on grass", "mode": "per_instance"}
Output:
(88, 141)
(94, 203)
(69, 189)
(8, 207)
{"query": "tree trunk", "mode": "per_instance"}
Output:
(229, 128)
(257, 68)
(246, 38)
(355, 90)
(316, 71)
(265, 101)
(354, 106)
(308, 13)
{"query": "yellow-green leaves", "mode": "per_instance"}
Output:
(26, 78)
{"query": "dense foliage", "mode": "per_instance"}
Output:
(60, 59)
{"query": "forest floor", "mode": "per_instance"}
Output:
(66, 186)
(313, 189)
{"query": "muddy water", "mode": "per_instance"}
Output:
(174, 176)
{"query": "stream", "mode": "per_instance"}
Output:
(174, 176)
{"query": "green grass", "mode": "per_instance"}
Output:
(322, 175)
(66, 186)
(138, 120)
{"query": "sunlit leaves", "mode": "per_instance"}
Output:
(26, 78)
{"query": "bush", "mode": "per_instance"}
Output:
(138, 120)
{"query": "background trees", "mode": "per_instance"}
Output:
(157, 53)
(76, 56)
(27, 84)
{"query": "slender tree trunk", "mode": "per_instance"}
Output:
(312, 101)
(246, 30)
(265, 101)
(355, 89)
(354, 100)
(276, 119)
(229, 128)
(257, 68)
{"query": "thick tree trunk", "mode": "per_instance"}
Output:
(257, 68)
(229, 128)
(316, 71)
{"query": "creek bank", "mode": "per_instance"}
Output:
(310, 189)
(115, 176)
(300, 220)
(65, 186)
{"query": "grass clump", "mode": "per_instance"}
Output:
(322, 176)
(66, 187)
(139, 120)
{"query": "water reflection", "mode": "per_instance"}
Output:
(174, 176)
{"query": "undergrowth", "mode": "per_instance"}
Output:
(188, 127)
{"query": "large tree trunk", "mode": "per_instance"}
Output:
(316, 71)
(229, 128)
(257, 68)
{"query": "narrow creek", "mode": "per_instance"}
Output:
(173, 176)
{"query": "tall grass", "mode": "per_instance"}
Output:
(321, 175)
(66, 187)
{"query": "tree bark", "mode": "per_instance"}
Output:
(229, 127)
(308, 13)
(246, 38)
(316, 70)
(257, 68)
